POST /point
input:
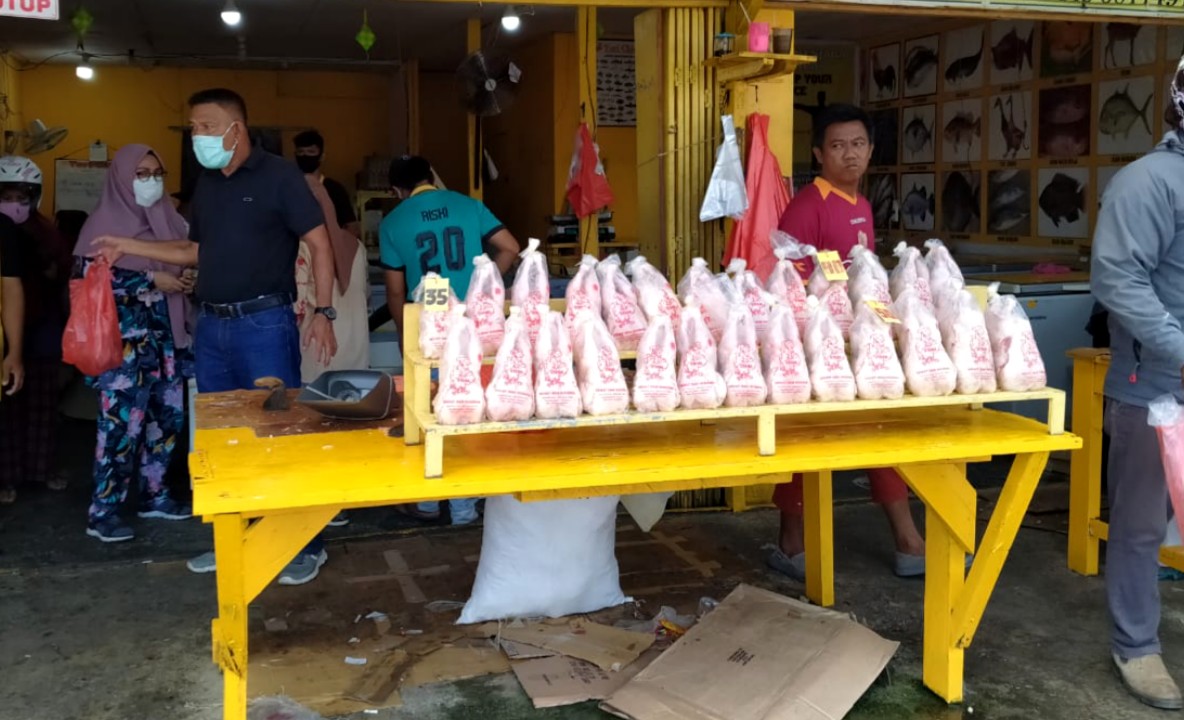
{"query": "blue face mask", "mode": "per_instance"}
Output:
(209, 150)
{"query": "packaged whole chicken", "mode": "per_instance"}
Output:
(833, 294)
(598, 367)
(460, 399)
(866, 278)
(928, 370)
(964, 335)
(556, 391)
(945, 277)
(784, 359)
(653, 290)
(700, 386)
(655, 386)
(1018, 365)
(510, 395)
(878, 374)
(831, 378)
(618, 305)
(486, 301)
(910, 273)
(754, 295)
(739, 360)
(433, 325)
(699, 285)
(583, 292)
(786, 284)
(532, 287)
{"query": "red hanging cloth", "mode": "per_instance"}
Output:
(587, 185)
(767, 200)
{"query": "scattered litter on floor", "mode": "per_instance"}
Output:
(355, 661)
(275, 625)
(522, 651)
(666, 622)
(279, 708)
(606, 647)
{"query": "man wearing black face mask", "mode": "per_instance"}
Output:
(310, 153)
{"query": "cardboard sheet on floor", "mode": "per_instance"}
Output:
(522, 651)
(557, 680)
(457, 663)
(608, 648)
(316, 678)
(759, 656)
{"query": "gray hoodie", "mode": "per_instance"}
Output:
(1137, 273)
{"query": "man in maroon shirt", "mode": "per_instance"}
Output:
(830, 214)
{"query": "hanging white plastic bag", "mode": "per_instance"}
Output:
(653, 290)
(655, 386)
(1018, 364)
(598, 367)
(727, 195)
(928, 370)
(532, 287)
(1167, 417)
(510, 395)
(700, 386)
(646, 509)
(583, 292)
(754, 295)
(739, 361)
(784, 359)
(878, 374)
(619, 305)
(460, 399)
(486, 302)
(556, 391)
(910, 273)
(433, 326)
(699, 285)
(826, 355)
(964, 335)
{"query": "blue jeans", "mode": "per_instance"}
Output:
(464, 510)
(232, 353)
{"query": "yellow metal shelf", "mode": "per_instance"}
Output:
(752, 65)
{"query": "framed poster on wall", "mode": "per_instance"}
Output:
(616, 84)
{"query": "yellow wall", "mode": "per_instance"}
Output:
(10, 115)
(129, 105)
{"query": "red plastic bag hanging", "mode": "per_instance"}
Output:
(92, 341)
(587, 185)
(767, 200)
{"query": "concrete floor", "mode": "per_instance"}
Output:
(122, 632)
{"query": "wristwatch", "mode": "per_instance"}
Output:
(329, 313)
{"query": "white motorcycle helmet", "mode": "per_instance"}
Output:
(24, 173)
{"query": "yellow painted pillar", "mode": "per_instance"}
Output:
(586, 49)
(476, 151)
(819, 520)
(1085, 465)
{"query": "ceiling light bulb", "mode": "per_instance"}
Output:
(511, 21)
(230, 14)
(84, 71)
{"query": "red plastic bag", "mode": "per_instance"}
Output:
(767, 200)
(587, 185)
(92, 341)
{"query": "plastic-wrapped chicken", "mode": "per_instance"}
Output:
(754, 295)
(532, 287)
(964, 334)
(739, 361)
(784, 359)
(486, 300)
(598, 367)
(698, 285)
(826, 355)
(833, 294)
(510, 395)
(619, 305)
(785, 284)
(700, 386)
(878, 374)
(866, 278)
(945, 277)
(910, 273)
(928, 370)
(653, 290)
(1018, 365)
(460, 399)
(433, 326)
(583, 292)
(655, 386)
(556, 392)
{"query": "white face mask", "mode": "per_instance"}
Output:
(148, 191)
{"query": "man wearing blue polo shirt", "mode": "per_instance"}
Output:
(440, 231)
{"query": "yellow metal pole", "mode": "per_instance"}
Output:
(476, 157)
(819, 520)
(229, 629)
(586, 47)
(1085, 465)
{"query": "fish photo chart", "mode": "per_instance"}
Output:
(1173, 47)
(884, 195)
(886, 129)
(1012, 44)
(919, 126)
(960, 202)
(962, 131)
(1127, 45)
(884, 73)
(921, 65)
(1126, 122)
(1066, 48)
(963, 65)
(917, 203)
(1009, 202)
(1062, 203)
(1011, 127)
(1065, 117)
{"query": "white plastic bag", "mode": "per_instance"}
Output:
(699, 285)
(878, 374)
(964, 335)
(739, 361)
(460, 399)
(727, 194)
(1018, 365)
(655, 386)
(546, 559)
(928, 370)
(785, 283)
(486, 303)
(831, 378)
(598, 367)
(532, 287)
(866, 278)
(653, 290)
(433, 326)
(754, 295)
(619, 305)
(945, 277)
(279, 707)
(556, 392)
(646, 509)
(784, 359)
(910, 273)
(1166, 415)
(583, 292)
(700, 386)
(510, 395)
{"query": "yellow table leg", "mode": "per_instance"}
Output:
(1085, 466)
(818, 506)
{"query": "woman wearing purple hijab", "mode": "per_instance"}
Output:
(141, 401)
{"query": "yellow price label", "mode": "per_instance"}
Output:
(435, 294)
(883, 311)
(832, 266)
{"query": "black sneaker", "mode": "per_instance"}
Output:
(164, 508)
(111, 529)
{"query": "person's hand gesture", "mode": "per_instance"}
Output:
(14, 371)
(170, 283)
(111, 248)
(321, 339)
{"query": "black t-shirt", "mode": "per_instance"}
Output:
(342, 205)
(12, 260)
(248, 226)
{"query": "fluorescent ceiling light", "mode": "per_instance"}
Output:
(511, 21)
(230, 14)
(84, 71)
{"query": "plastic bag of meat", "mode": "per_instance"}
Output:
(866, 278)
(532, 287)
(910, 273)
(433, 326)
(786, 284)
(739, 361)
(598, 367)
(830, 372)
(752, 292)
(556, 392)
(1167, 417)
(784, 359)
(1018, 365)
(964, 334)
(945, 277)
(698, 285)
(700, 386)
(460, 399)
(653, 290)
(833, 294)
(655, 387)
(618, 304)
(486, 301)
(583, 292)
(510, 395)
(878, 374)
(928, 370)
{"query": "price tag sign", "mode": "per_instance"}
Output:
(883, 311)
(832, 266)
(435, 294)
